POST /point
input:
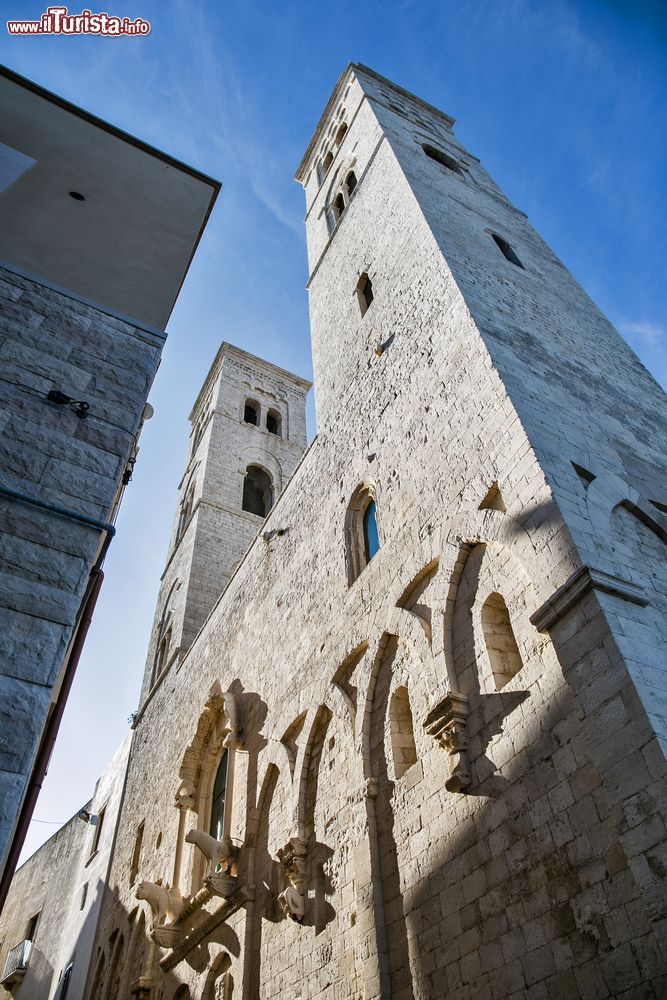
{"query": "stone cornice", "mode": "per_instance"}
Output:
(573, 590)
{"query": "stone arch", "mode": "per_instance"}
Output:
(220, 728)
(263, 459)
(114, 972)
(133, 964)
(219, 984)
(309, 774)
(98, 976)
(356, 553)
(609, 491)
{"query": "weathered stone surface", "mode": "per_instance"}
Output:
(22, 709)
(49, 340)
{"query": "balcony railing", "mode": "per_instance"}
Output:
(17, 963)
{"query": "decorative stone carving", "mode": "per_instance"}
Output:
(222, 714)
(222, 855)
(166, 904)
(222, 884)
(448, 725)
(292, 860)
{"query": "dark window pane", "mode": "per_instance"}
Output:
(250, 414)
(371, 538)
(217, 827)
(257, 491)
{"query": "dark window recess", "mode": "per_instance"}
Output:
(257, 491)
(273, 422)
(371, 537)
(338, 206)
(31, 929)
(340, 134)
(217, 825)
(442, 158)
(251, 413)
(364, 292)
(326, 162)
(507, 251)
(350, 182)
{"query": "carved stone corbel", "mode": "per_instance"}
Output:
(235, 738)
(167, 905)
(292, 860)
(448, 725)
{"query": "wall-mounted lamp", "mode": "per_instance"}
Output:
(79, 406)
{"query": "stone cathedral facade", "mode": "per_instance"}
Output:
(417, 747)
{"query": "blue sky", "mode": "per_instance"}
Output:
(563, 101)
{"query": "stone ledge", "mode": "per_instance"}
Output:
(580, 583)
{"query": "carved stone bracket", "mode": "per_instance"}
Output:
(167, 906)
(292, 860)
(448, 725)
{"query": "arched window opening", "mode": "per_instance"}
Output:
(440, 157)
(507, 251)
(251, 412)
(162, 655)
(402, 732)
(257, 491)
(361, 532)
(338, 206)
(364, 292)
(273, 422)
(501, 645)
(350, 183)
(186, 511)
(371, 537)
(340, 134)
(326, 163)
(136, 854)
(219, 798)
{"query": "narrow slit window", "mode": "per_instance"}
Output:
(442, 158)
(340, 134)
(219, 798)
(350, 183)
(338, 206)
(506, 250)
(364, 292)
(136, 854)
(370, 526)
(98, 830)
(326, 163)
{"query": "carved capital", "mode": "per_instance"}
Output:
(448, 725)
(292, 860)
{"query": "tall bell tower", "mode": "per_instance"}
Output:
(248, 435)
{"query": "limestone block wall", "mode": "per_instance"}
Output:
(52, 340)
(541, 875)
(63, 882)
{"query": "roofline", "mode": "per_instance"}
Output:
(48, 95)
(366, 71)
(226, 348)
(132, 140)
